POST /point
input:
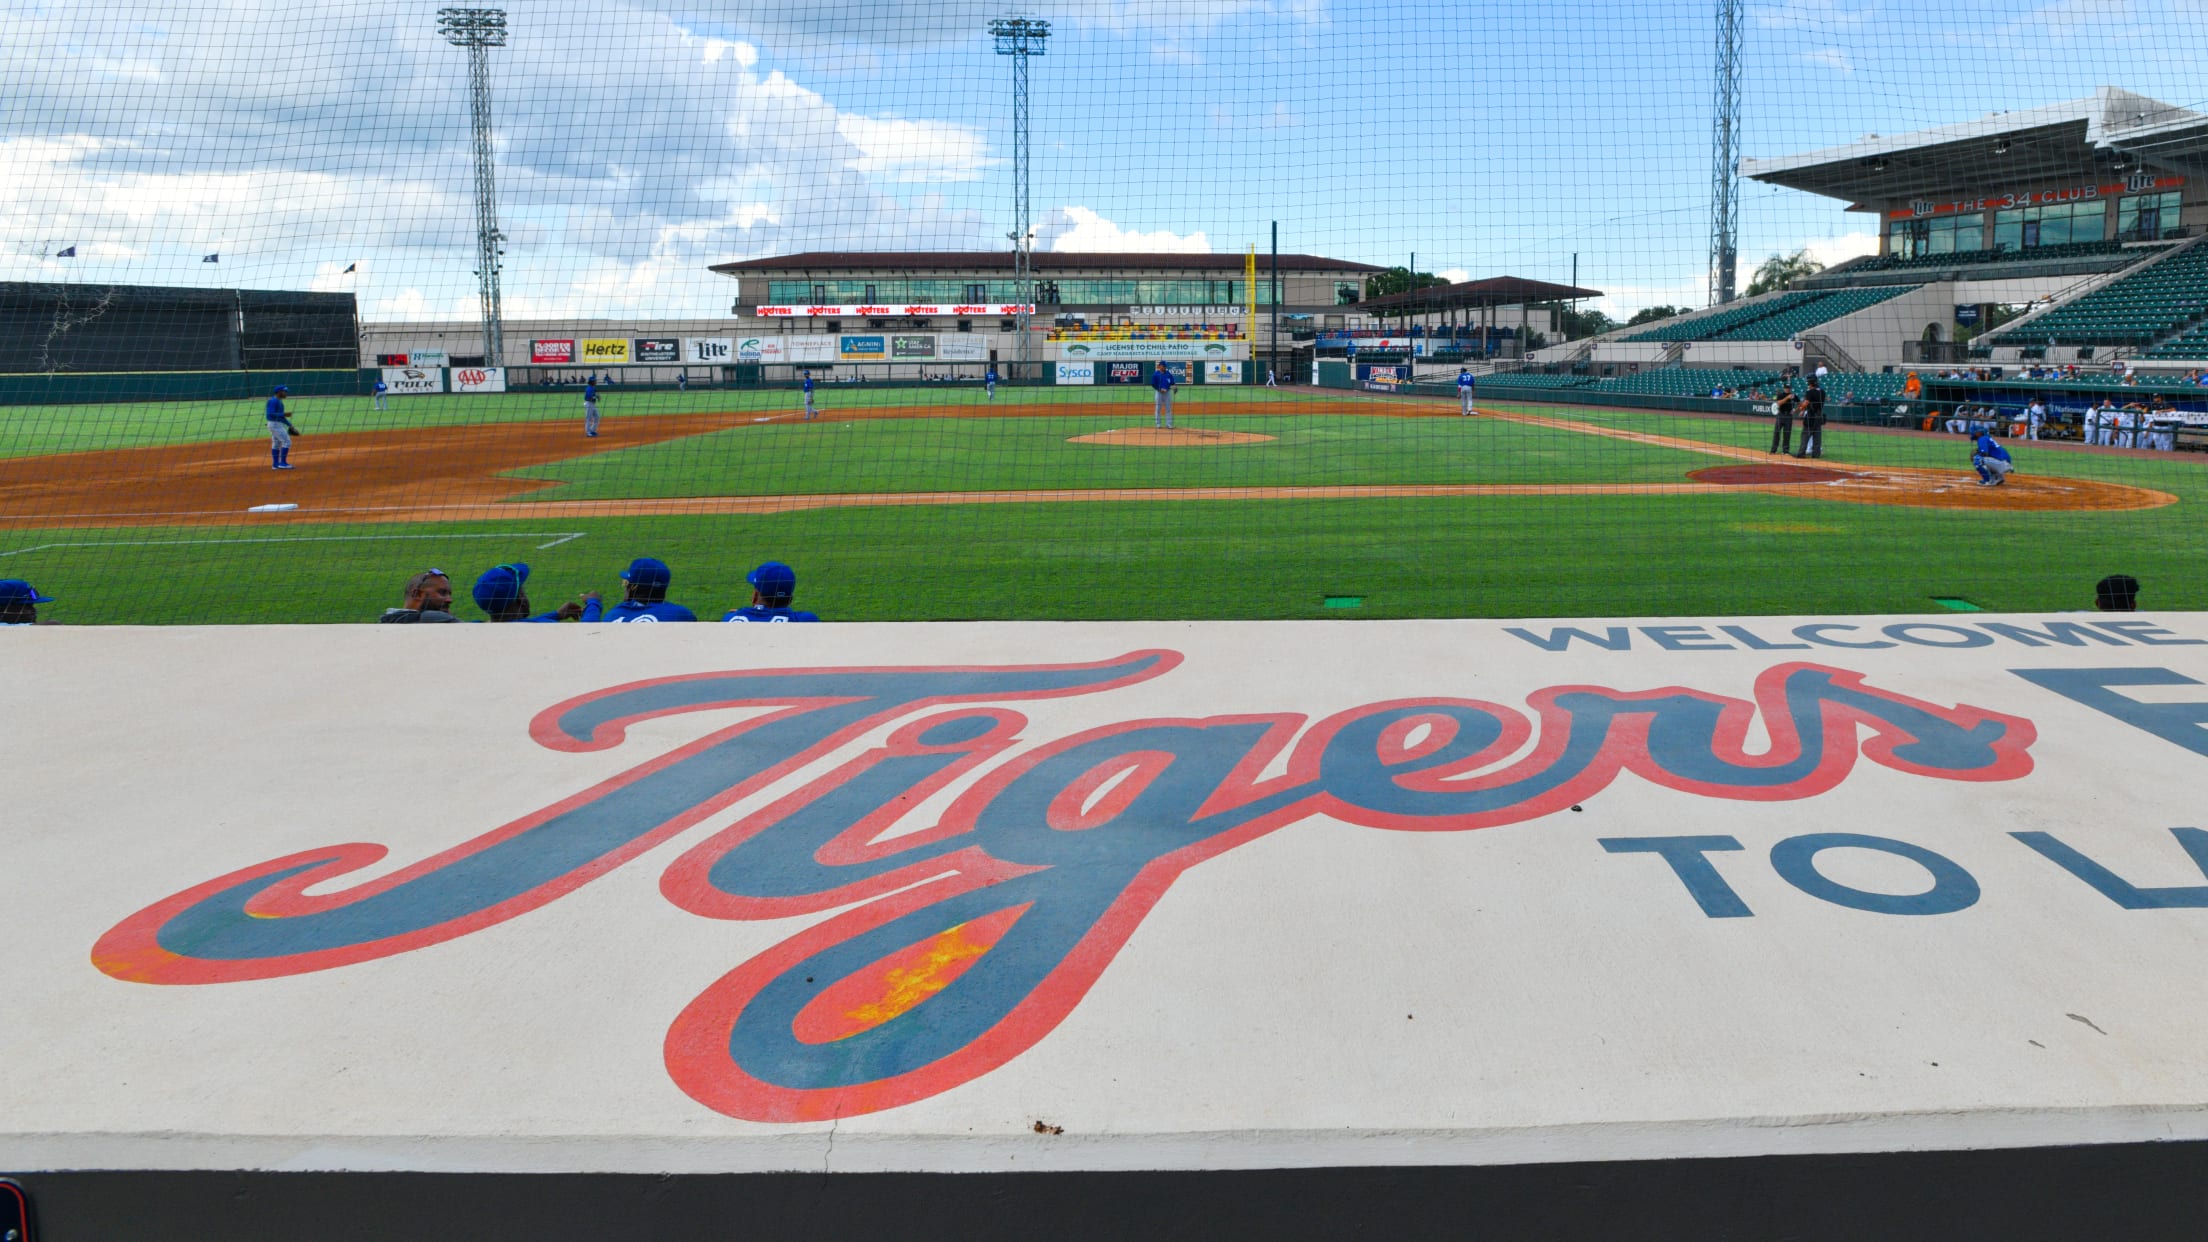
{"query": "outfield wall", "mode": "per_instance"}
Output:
(991, 897)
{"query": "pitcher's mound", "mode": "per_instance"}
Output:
(1169, 437)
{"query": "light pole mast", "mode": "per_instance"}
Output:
(1020, 38)
(480, 30)
(1725, 156)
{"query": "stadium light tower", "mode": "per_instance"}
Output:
(480, 30)
(1725, 156)
(1020, 38)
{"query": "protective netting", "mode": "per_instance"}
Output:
(774, 255)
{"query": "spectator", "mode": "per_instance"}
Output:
(2116, 593)
(19, 602)
(428, 601)
(501, 593)
(648, 579)
(773, 586)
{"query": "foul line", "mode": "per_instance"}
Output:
(558, 537)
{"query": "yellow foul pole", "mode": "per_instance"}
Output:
(1249, 287)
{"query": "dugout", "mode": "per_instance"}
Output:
(48, 328)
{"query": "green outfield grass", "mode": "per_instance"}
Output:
(897, 455)
(30, 430)
(1562, 555)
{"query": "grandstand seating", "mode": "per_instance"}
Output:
(1535, 379)
(2192, 343)
(1964, 258)
(2130, 310)
(1703, 327)
(1803, 316)
(1774, 319)
(1684, 381)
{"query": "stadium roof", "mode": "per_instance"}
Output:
(2106, 134)
(1494, 291)
(1045, 261)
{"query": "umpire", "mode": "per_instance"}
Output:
(1782, 420)
(1813, 420)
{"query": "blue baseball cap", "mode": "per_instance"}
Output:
(774, 580)
(17, 591)
(500, 586)
(648, 571)
(283, 388)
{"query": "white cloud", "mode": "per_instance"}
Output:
(1830, 57)
(1833, 251)
(915, 150)
(1082, 230)
(1454, 275)
(1175, 54)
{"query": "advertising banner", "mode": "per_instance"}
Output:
(1222, 372)
(555, 353)
(1074, 372)
(915, 348)
(479, 379)
(1098, 351)
(655, 349)
(862, 348)
(962, 347)
(604, 352)
(2138, 183)
(806, 349)
(428, 358)
(718, 350)
(413, 381)
(908, 310)
(1182, 372)
(1125, 373)
(1689, 886)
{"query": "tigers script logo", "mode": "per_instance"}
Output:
(966, 942)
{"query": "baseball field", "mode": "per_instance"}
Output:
(1062, 503)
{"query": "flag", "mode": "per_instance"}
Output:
(348, 269)
(69, 253)
(213, 258)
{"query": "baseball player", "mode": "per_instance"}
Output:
(648, 578)
(502, 594)
(1272, 378)
(2035, 416)
(1782, 420)
(590, 407)
(1161, 405)
(989, 381)
(682, 382)
(1464, 391)
(811, 411)
(773, 585)
(19, 602)
(1813, 420)
(280, 430)
(380, 389)
(1991, 461)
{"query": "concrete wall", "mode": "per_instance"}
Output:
(1183, 896)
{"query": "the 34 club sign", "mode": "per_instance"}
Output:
(2136, 183)
(955, 946)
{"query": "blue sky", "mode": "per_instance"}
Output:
(640, 142)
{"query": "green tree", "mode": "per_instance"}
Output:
(1575, 324)
(1399, 280)
(1781, 270)
(1651, 314)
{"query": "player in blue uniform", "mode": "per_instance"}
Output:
(1991, 461)
(280, 430)
(500, 593)
(648, 578)
(19, 602)
(1464, 390)
(590, 407)
(1161, 403)
(809, 410)
(773, 585)
(989, 381)
(381, 389)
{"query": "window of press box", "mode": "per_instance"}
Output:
(2149, 217)
(1909, 239)
(2056, 224)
